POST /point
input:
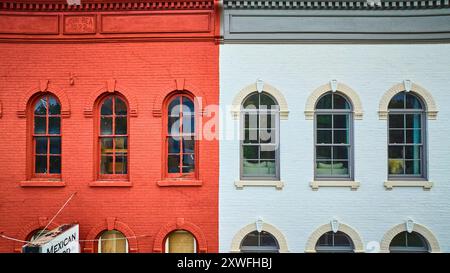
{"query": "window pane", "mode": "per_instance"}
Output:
(396, 136)
(55, 164)
(324, 121)
(120, 107)
(252, 102)
(251, 120)
(54, 125)
(173, 145)
(54, 107)
(174, 107)
(106, 145)
(413, 121)
(340, 102)
(39, 125)
(396, 152)
(106, 165)
(341, 137)
(173, 163)
(188, 124)
(41, 145)
(396, 121)
(413, 136)
(106, 126)
(107, 107)
(323, 136)
(399, 240)
(323, 152)
(341, 239)
(188, 145)
(412, 102)
(251, 239)
(266, 239)
(267, 136)
(121, 163)
(416, 240)
(325, 240)
(121, 144)
(174, 126)
(267, 151)
(340, 121)
(121, 125)
(40, 165)
(398, 101)
(340, 152)
(412, 167)
(412, 152)
(324, 102)
(259, 168)
(266, 102)
(396, 166)
(251, 152)
(55, 145)
(188, 106)
(188, 163)
(40, 107)
(324, 168)
(340, 168)
(251, 136)
(267, 120)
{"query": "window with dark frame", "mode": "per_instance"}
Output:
(180, 137)
(334, 242)
(259, 137)
(406, 149)
(408, 242)
(47, 137)
(333, 137)
(113, 138)
(259, 242)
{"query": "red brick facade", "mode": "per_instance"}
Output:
(144, 50)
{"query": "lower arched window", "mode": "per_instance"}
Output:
(408, 242)
(259, 242)
(334, 242)
(112, 241)
(180, 241)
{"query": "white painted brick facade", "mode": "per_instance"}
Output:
(370, 70)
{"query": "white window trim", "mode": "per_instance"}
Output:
(315, 184)
(425, 184)
(239, 98)
(240, 184)
(342, 88)
(430, 105)
(422, 230)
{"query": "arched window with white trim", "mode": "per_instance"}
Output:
(409, 242)
(335, 242)
(259, 242)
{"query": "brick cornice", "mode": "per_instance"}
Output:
(105, 5)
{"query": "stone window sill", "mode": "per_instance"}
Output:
(353, 185)
(43, 183)
(425, 184)
(110, 183)
(240, 184)
(180, 183)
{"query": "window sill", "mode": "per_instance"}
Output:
(353, 185)
(43, 183)
(172, 182)
(110, 183)
(425, 184)
(240, 184)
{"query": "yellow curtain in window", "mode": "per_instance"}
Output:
(113, 241)
(181, 242)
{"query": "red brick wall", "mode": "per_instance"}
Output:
(148, 71)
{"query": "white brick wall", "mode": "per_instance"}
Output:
(370, 70)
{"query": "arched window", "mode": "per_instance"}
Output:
(47, 137)
(181, 138)
(405, 242)
(259, 242)
(334, 242)
(113, 137)
(259, 137)
(112, 241)
(36, 234)
(406, 149)
(334, 137)
(180, 241)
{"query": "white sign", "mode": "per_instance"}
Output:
(64, 239)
